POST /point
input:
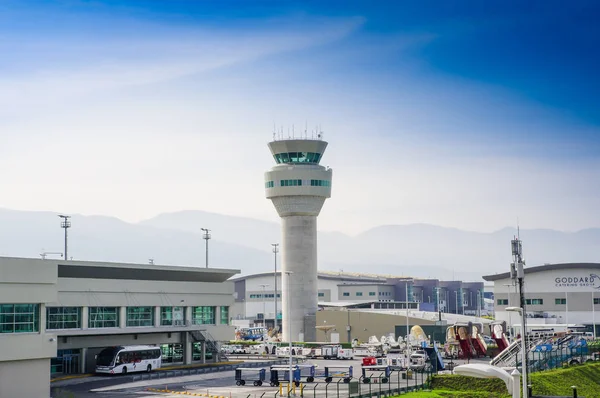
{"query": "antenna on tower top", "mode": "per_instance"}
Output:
(518, 229)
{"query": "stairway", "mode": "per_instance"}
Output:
(511, 356)
(212, 345)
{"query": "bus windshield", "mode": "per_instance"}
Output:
(106, 356)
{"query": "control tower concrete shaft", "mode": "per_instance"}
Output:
(298, 186)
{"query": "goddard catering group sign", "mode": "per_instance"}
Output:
(590, 280)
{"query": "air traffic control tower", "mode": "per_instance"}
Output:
(298, 186)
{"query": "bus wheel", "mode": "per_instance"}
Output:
(259, 383)
(243, 382)
(149, 368)
(124, 371)
(310, 379)
(255, 383)
(238, 383)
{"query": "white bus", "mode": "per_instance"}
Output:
(126, 359)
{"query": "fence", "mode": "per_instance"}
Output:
(562, 357)
(399, 382)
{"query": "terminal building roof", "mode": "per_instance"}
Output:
(147, 272)
(544, 268)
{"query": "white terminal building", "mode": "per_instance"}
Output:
(298, 186)
(55, 316)
(345, 297)
(557, 296)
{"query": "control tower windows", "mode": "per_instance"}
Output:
(269, 184)
(320, 183)
(298, 157)
(290, 183)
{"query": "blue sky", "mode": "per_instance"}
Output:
(464, 114)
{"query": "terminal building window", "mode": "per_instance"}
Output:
(172, 316)
(297, 157)
(63, 318)
(203, 315)
(359, 293)
(103, 317)
(140, 316)
(596, 300)
(534, 301)
(321, 294)
(346, 294)
(371, 293)
(560, 301)
(502, 301)
(224, 318)
(197, 353)
(19, 318)
(172, 353)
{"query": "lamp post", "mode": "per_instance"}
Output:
(456, 300)
(518, 273)
(289, 326)
(594, 314)
(275, 251)
(508, 285)
(65, 224)
(206, 237)
(407, 326)
(264, 305)
(523, 349)
(567, 310)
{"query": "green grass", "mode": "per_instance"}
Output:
(451, 394)
(553, 382)
(470, 384)
(558, 382)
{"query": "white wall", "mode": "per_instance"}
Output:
(26, 379)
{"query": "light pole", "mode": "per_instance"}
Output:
(456, 300)
(594, 314)
(508, 285)
(518, 273)
(206, 237)
(289, 325)
(65, 224)
(264, 305)
(523, 349)
(407, 331)
(275, 251)
(567, 310)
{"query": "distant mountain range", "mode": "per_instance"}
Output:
(418, 250)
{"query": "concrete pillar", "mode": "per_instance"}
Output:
(156, 317)
(82, 360)
(188, 315)
(203, 352)
(85, 316)
(42, 318)
(187, 348)
(516, 383)
(299, 256)
(122, 317)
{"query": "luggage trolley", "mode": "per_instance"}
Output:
(241, 374)
(368, 371)
(280, 373)
(340, 372)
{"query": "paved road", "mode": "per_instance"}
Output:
(218, 383)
